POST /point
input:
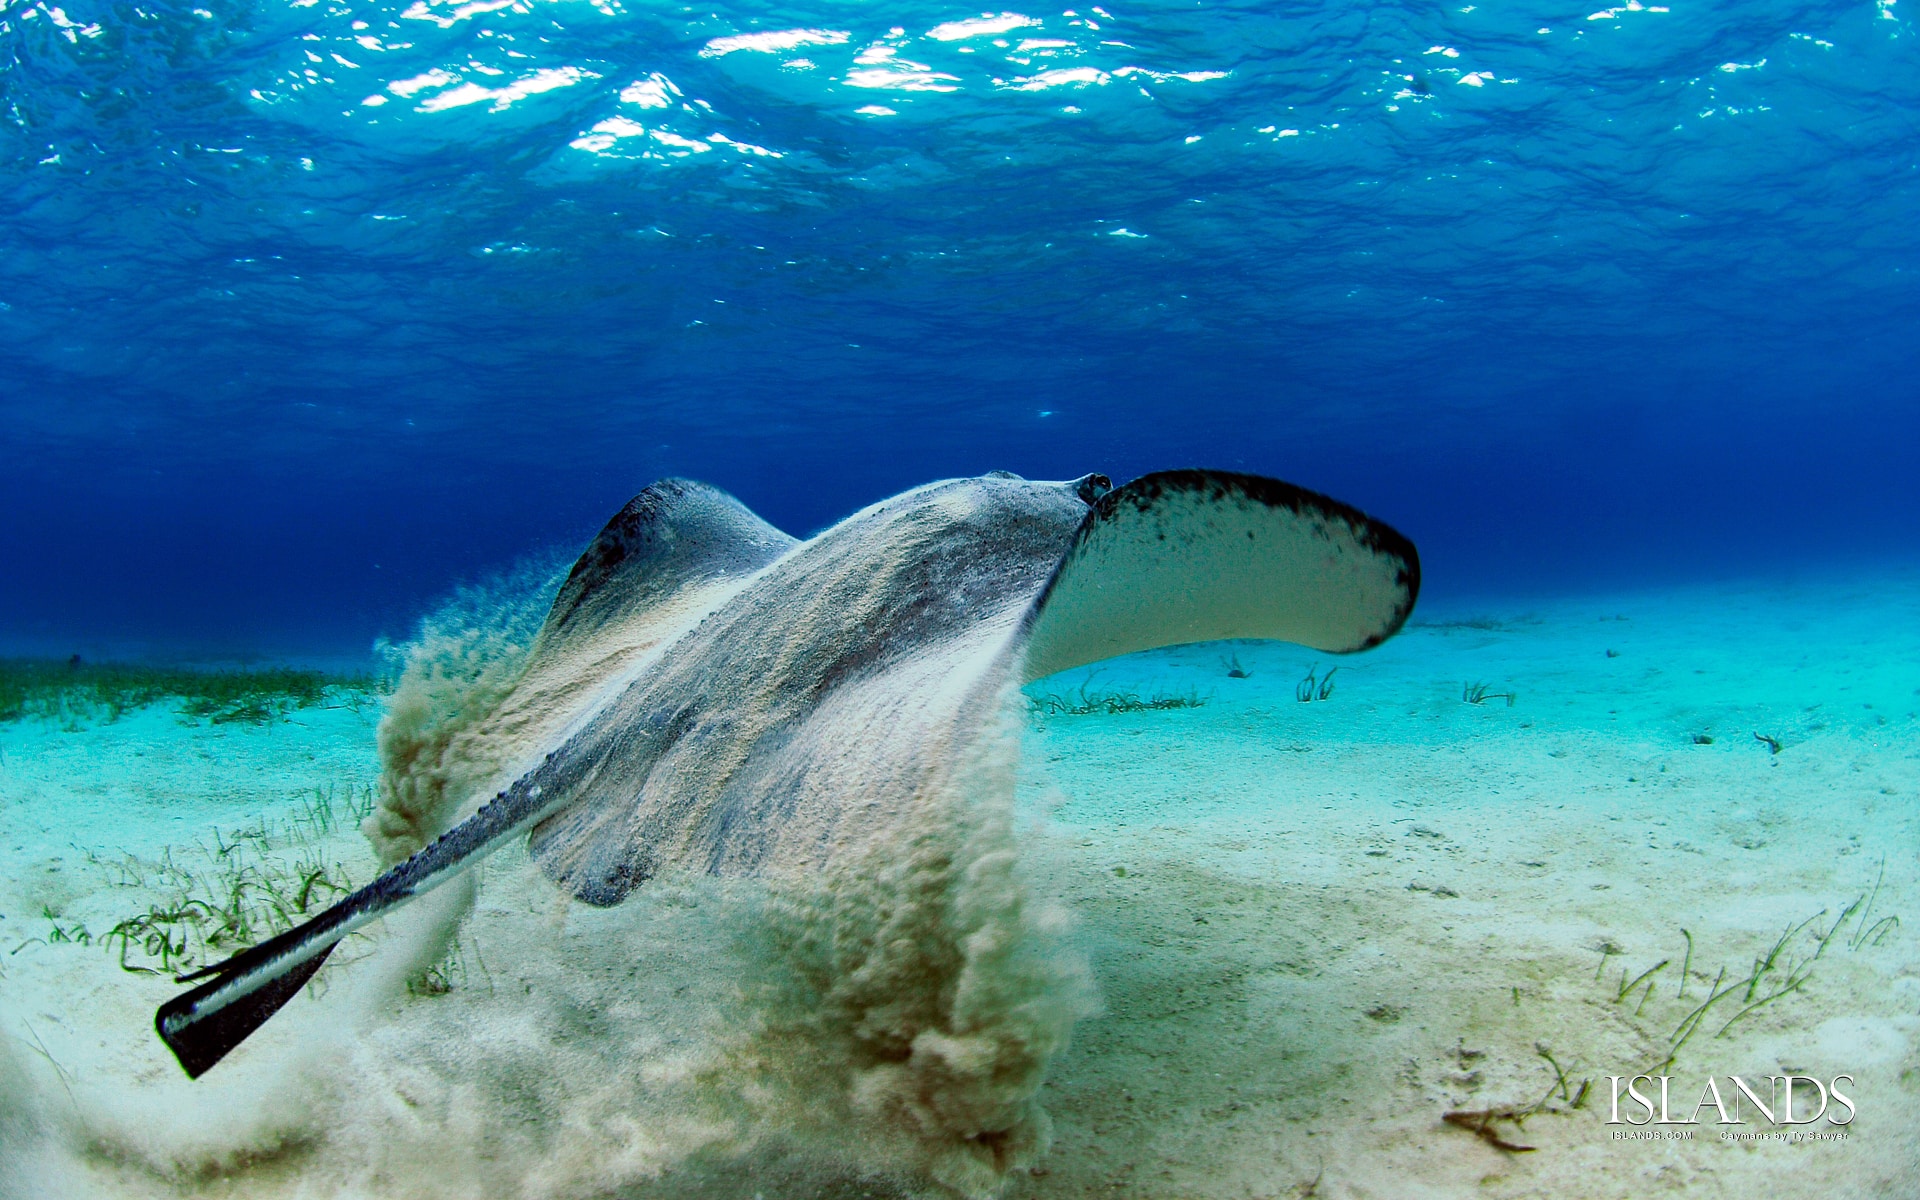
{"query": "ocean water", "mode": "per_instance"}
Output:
(331, 333)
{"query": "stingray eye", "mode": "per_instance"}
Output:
(1091, 487)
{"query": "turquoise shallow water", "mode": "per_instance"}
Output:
(1304, 932)
(307, 310)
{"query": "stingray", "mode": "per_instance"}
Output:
(718, 697)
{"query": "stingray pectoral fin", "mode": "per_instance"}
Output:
(202, 1025)
(1194, 556)
(669, 541)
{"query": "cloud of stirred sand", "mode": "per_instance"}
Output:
(892, 1015)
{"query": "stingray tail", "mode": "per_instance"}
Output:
(239, 995)
(202, 1025)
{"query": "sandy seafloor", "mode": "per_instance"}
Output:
(1314, 928)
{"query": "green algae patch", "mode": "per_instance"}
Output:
(76, 694)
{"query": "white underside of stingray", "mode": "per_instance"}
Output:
(709, 694)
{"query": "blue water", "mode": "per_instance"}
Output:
(308, 309)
